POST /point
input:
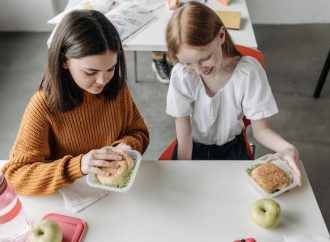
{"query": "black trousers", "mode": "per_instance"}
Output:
(233, 150)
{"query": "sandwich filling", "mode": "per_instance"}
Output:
(270, 177)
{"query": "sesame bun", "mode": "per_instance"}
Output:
(270, 177)
(118, 172)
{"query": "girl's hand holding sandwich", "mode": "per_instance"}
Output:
(291, 156)
(93, 161)
(273, 141)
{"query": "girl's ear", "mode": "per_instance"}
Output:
(65, 65)
(222, 35)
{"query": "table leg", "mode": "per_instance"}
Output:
(323, 77)
(135, 67)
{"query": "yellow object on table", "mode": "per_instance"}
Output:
(231, 19)
(88, 5)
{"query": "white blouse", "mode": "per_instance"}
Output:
(217, 119)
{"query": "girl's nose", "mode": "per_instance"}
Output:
(102, 78)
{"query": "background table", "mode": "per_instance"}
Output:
(187, 201)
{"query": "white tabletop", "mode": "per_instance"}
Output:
(152, 37)
(187, 201)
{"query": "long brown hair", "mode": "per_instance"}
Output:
(80, 33)
(195, 24)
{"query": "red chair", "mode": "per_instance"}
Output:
(245, 51)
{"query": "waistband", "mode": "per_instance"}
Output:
(238, 139)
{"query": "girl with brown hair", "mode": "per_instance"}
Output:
(82, 110)
(212, 87)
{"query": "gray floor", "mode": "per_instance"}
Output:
(294, 55)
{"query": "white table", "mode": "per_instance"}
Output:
(187, 201)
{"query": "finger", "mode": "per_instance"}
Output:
(102, 163)
(298, 179)
(107, 153)
(293, 166)
(122, 148)
(104, 150)
(108, 156)
(296, 171)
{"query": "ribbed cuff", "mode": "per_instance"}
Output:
(74, 168)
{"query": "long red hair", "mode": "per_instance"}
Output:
(195, 24)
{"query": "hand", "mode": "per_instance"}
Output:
(121, 147)
(291, 156)
(93, 161)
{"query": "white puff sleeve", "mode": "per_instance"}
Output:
(258, 101)
(179, 97)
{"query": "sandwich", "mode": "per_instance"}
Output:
(270, 177)
(118, 174)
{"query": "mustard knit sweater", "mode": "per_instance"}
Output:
(49, 146)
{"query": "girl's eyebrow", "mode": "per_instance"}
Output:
(91, 69)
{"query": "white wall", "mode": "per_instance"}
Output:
(289, 11)
(32, 15)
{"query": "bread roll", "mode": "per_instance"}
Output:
(118, 172)
(270, 177)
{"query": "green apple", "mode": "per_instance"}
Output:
(266, 213)
(46, 231)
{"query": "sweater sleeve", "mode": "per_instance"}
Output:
(136, 133)
(30, 170)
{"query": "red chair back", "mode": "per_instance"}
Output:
(245, 51)
(167, 154)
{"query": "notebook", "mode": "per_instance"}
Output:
(231, 19)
